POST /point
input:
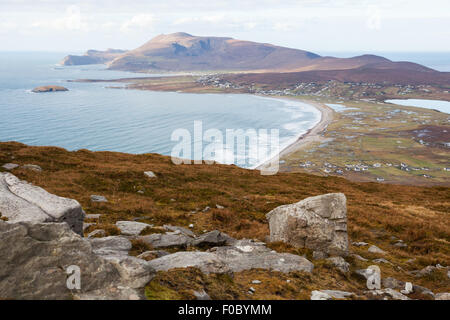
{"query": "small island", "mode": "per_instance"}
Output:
(49, 89)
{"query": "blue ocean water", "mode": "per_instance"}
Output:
(92, 116)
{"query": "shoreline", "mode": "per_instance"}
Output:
(310, 136)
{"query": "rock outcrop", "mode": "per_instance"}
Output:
(49, 89)
(34, 258)
(21, 201)
(318, 223)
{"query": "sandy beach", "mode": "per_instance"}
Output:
(312, 135)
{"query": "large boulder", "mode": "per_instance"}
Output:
(318, 223)
(21, 201)
(34, 258)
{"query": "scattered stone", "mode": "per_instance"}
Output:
(382, 260)
(93, 216)
(400, 244)
(180, 229)
(205, 261)
(388, 293)
(319, 295)
(319, 255)
(408, 288)
(21, 201)
(150, 174)
(87, 225)
(32, 167)
(96, 198)
(97, 233)
(201, 295)
(218, 206)
(424, 272)
(206, 209)
(10, 166)
(256, 282)
(358, 257)
(411, 260)
(336, 294)
(213, 238)
(339, 262)
(111, 246)
(247, 255)
(153, 254)
(168, 240)
(375, 249)
(252, 290)
(131, 228)
(318, 223)
(443, 296)
(191, 226)
(360, 244)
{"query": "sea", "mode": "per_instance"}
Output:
(97, 117)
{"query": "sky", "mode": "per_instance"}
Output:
(313, 25)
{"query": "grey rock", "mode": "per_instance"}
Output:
(97, 198)
(206, 209)
(360, 244)
(150, 174)
(400, 244)
(382, 260)
(319, 255)
(319, 295)
(131, 228)
(32, 167)
(34, 258)
(358, 257)
(167, 240)
(408, 288)
(97, 233)
(205, 261)
(256, 282)
(425, 271)
(10, 166)
(134, 272)
(318, 223)
(153, 254)
(87, 225)
(201, 295)
(336, 294)
(218, 206)
(247, 255)
(21, 201)
(339, 262)
(443, 296)
(213, 238)
(184, 231)
(375, 249)
(388, 293)
(392, 283)
(113, 245)
(93, 216)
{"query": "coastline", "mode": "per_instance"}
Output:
(310, 136)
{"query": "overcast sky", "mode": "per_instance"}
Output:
(314, 25)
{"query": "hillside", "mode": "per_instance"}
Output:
(377, 214)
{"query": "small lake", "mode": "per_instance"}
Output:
(440, 105)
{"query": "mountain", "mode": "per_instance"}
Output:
(92, 57)
(184, 52)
